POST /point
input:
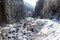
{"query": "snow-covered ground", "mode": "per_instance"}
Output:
(32, 29)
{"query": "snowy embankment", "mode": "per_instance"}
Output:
(35, 29)
(47, 29)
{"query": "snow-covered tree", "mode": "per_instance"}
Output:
(14, 10)
(51, 9)
(38, 8)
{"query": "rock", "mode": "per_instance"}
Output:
(35, 29)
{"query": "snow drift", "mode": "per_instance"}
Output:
(33, 29)
(47, 29)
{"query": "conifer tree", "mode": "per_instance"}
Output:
(38, 8)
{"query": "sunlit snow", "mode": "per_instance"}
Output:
(32, 2)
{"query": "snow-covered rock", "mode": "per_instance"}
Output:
(33, 29)
(49, 30)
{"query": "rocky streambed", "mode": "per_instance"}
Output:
(31, 29)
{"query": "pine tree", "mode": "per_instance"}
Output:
(38, 8)
(58, 8)
(14, 10)
(51, 9)
(2, 12)
(19, 10)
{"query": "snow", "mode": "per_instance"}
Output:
(49, 31)
(32, 2)
(35, 29)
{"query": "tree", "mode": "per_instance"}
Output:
(14, 10)
(2, 12)
(38, 8)
(51, 9)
